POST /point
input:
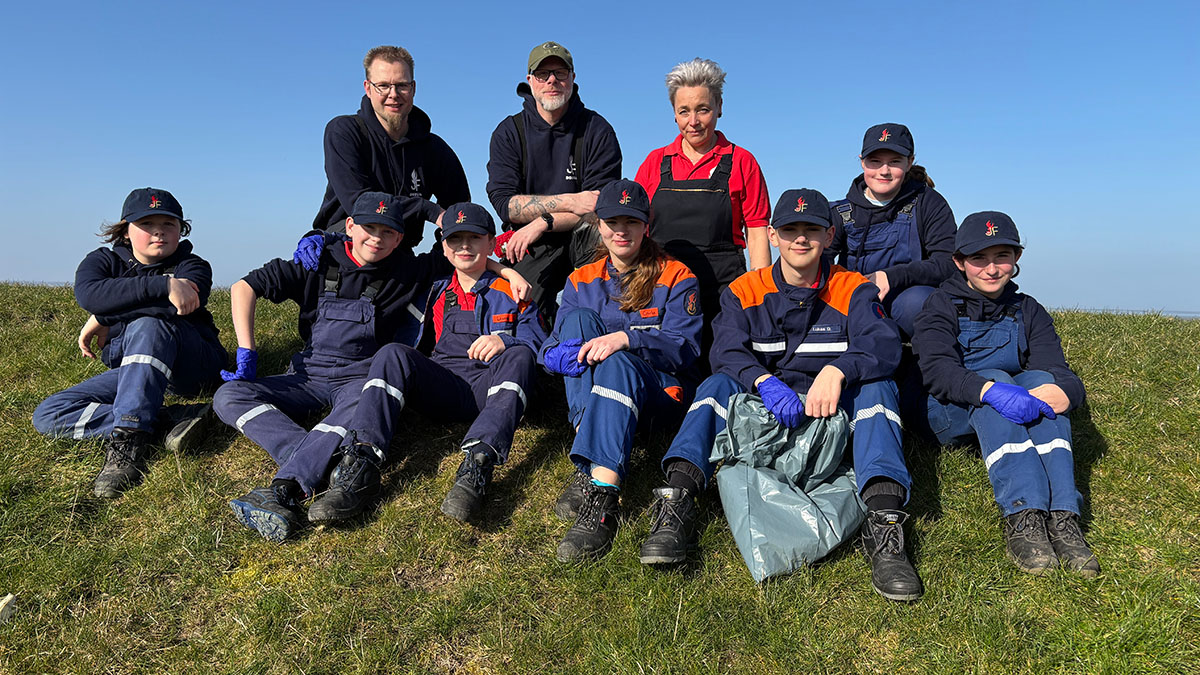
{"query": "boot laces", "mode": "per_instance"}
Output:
(1067, 527)
(665, 514)
(590, 510)
(357, 458)
(122, 451)
(472, 471)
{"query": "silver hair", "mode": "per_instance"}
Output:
(696, 73)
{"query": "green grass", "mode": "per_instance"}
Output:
(164, 579)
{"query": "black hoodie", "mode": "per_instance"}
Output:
(419, 164)
(936, 342)
(935, 229)
(549, 166)
(111, 284)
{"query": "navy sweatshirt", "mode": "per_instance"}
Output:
(767, 326)
(935, 229)
(549, 165)
(399, 305)
(938, 352)
(419, 164)
(114, 286)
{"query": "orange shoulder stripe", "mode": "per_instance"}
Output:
(752, 287)
(590, 272)
(840, 287)
(673, 272)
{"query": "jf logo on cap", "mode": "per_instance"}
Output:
(546, 50)
(380, 208)
(148, 202)
(623, 198)
(467, 217)
(801, 206)
(889, 136)
(986, 228)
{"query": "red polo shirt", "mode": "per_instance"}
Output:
(747, 187)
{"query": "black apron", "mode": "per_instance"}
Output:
(693, 221)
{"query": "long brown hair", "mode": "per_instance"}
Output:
(637, 284)
(917, 173)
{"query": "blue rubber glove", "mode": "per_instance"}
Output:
(247, 366)
(783, 403)
(563, 359)
(1016, 404)
(308, 251)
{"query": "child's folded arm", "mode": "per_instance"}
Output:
(101, 290)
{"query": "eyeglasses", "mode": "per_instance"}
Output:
(543, 74)
(384, 89)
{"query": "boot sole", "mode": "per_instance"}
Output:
(582, 556)
(898, 597)
(662, 559)
(271, 526)
(1035, 571)
(189, 433)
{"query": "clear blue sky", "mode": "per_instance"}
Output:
(1080, 120)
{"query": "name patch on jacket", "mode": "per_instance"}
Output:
(504, 318)
(649, 312)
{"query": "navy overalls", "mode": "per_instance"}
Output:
(882, 245)
(1030, 466)
(332, 371)
(693, 221)
(450, 386)
(149, 357)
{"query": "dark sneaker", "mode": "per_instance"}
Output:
(352, 485)
(595, 527)
(125, 455)
(1027, 543)
(188, 426)
(892, 575)
(1069, 545)
(673, 528)
(470, 483)
(567, 506)
(274, 511)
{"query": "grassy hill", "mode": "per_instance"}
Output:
(164, 579)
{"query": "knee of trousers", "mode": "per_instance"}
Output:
(720, 387)
(1033, 378)
(147, 328)
(580, 324)
(232, 399)
(518, 357)
(996, 375)
(394, 355)
(45, 416)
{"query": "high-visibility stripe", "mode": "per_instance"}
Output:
(821, 347)
(148, 360)
(511, 386)
(768, 346)
(84, 418)
(712, 403)
(647, 327)
(252, 413)
(615, 395)
(392, 391)
(1016, 448)
(412, 309)
(326, 428)
(874, 410)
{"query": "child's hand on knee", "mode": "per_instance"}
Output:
(184, 295)
(92, 329)
(824, 393)
(1053, 395)
(485, 348)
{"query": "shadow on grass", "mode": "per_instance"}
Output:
(1088, 447)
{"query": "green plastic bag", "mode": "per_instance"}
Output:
(789, 495)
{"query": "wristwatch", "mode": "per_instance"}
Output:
(549, 221)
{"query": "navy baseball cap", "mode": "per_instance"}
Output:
(889, 136)
(623, 198)
(148, 202)
(467, 217)
(986, 228)
(380, 208)
(801, 206)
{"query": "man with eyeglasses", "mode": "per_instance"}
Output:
(546, 167)
(387, 147)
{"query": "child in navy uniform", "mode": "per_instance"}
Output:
(804, 325)
(147, 297)
(364, 293)
(476, 360)
(893, 226)
(626, 337)
(995, 370)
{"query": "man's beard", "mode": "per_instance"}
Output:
(393, 123)
(550, 104)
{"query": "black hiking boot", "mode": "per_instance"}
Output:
(1072, 549)
(892, 574)
(595, 527)
(273, 511)
(567, 506)
(125, 455)
(186, 425)
(352, 485)
(1027, 543)
(470, 483)
(673, 528)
